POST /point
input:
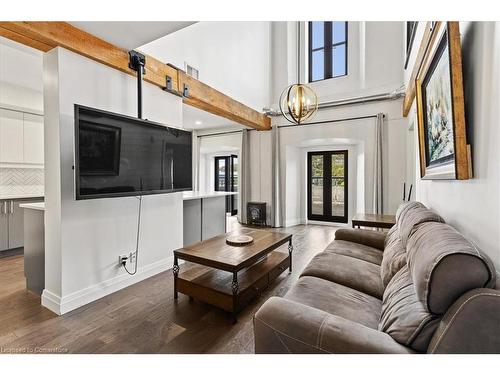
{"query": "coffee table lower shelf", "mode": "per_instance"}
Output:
(214, 286)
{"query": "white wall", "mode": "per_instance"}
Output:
(213, 146)
(473, 206)
(374, 67)
(375, 64)
(232, 57)
(21, 85)
(358, 138)
(85, 238)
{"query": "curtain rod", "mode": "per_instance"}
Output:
(294, 125)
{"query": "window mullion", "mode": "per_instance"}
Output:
(328, 49)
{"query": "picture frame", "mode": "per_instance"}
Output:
(443, 149)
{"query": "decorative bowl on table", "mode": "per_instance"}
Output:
(239, 240)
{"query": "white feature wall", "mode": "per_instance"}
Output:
(375, 60)
(356, 136)
(21, 84)
(232, 57)
(473, 206)
(84, 238)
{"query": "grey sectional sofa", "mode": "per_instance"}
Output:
(420, 288)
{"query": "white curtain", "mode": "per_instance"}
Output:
(278, 198)
(244, 176)
(378, 170)
(196, 160)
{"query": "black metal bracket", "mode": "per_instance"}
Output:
(137, 62)
(185, 91)
(170, 88)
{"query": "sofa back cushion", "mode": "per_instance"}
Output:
(405, 206)
(411, 216)
(444, 265)
(441, 266)
(394, 257)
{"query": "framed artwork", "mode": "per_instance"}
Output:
(411, 28)
(444, 152)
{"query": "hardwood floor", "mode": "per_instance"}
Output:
(143, 318)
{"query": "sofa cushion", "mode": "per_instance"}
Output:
(394, 256)
(365, 237)
(355, 250)
(411, 217)
(403, 316)
(444, 265)
(337, 299)
(351, 272)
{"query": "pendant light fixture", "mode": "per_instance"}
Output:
(298, 102)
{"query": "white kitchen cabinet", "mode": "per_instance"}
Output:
(33, 139)
(21, 139)
(11, 136)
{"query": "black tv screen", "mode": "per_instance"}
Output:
(117, 155)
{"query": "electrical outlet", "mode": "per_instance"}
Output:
(132, 257)
(122, 260)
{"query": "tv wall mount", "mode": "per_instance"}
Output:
(137, 62)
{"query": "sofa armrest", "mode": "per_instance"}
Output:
(363, 237)
(471, 325)
(284, 326)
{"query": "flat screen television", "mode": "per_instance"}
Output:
(117, 155)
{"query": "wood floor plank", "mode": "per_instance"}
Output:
(143, 318)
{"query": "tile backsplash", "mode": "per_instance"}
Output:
(20, 181)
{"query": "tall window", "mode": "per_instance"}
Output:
(327, 50)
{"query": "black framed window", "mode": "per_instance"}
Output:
(411, 27)
(327, 50)
(226, 178)
(327, 186)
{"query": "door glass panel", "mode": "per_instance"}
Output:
(235, 174)
(220, 165)
(338, 184)
(317, 206)
(234, 187)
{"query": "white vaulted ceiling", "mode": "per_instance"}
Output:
(130, 34)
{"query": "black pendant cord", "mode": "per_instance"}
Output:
(298, 52)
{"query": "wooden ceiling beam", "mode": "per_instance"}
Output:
(211, 100)
(9, 34)
(47, 35)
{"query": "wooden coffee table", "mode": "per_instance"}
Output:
(229, 277)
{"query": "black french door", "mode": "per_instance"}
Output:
(226, 179)
(327, 186)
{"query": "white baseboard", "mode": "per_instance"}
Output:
(292, 222)
(51, 301)
(64, 304)
(328, 223)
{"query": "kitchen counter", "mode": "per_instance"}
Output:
(204, 215)
(34, 245)
(40, 206)
(188, 195)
